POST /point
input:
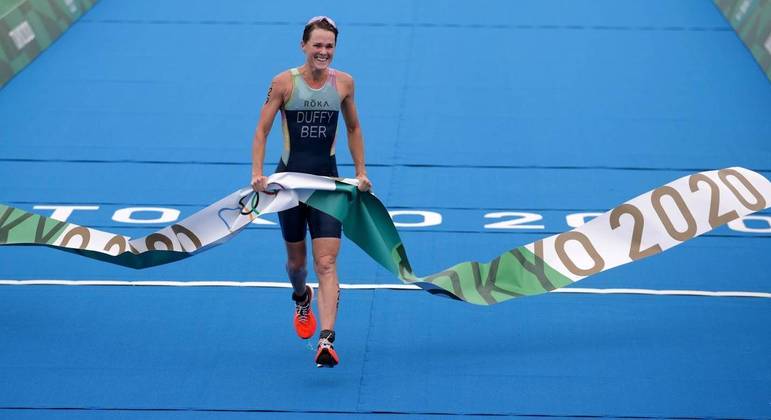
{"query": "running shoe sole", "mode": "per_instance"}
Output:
(326, 358)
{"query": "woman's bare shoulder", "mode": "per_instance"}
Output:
(344, 77)
(283, 78)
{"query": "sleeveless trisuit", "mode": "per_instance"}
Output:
(309, 122)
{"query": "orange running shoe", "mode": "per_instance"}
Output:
(304, 320)
(326, 356)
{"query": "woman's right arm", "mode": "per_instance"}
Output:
(276, 95)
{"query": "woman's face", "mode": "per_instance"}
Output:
(319, 49)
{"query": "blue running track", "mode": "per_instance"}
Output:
(553, 107)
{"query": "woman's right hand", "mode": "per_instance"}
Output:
(259, 182)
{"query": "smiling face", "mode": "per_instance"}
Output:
(319, 49)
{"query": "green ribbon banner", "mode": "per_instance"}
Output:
(646, 225)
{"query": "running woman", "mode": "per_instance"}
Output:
(310, 98)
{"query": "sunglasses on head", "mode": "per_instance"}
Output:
(320, 18)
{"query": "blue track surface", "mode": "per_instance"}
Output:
(549, 107)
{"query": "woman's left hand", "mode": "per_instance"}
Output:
(364, 183)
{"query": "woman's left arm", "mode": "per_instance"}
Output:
(355, 137)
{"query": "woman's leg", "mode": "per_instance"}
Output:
(295, 266)
(325, 252)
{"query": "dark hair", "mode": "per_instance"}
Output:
(319, 24)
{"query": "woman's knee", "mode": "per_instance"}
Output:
(295, 266)
(325, 264)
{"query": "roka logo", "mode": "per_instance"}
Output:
(312, 103)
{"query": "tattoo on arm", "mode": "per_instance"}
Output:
(269, 91)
